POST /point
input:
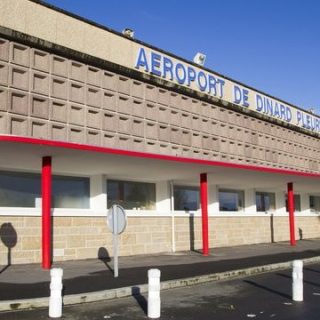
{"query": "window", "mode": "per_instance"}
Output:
(70, 192)
(314, 202)
(297, 202)
(132, 195)
(19, 189)
(186, 198)
(24, 190)
(231, 200)
(265, 201)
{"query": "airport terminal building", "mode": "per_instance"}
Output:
(90, 117)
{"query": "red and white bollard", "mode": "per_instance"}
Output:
(297, 280)
(55, 301)
(154, 302)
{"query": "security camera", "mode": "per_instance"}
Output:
(199, 58)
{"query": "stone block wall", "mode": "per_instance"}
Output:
(83, 237)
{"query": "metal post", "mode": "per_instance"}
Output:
(173, 238)
(291, 214)
(204, 213)
(115, 243)
(46, 212)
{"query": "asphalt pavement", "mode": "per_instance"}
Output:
(266, 296)
(94, 275)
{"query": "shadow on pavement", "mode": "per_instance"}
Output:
(260, 286)
(141, 300)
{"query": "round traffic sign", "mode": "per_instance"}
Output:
(116, 219)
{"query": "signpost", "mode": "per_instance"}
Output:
(117, 222)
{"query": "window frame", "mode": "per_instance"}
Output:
(134, 209)
(266, 193)
(186, 187)
(238, 191)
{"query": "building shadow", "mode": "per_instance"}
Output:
(260, 286)
(8, 236)
(304, 280)
(191, 231)
(103, 255)
(272, 227)
(300, 234)
(141, 300)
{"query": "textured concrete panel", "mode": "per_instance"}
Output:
(94, 76)
(163, 114)
(93, 137)
(39, 129)
(164, 96)
(138, 127)
(4, 74)
(59, 88)
(4, 123)
(4, 50)
(20, 54)
(110, 140)
(40, 60)
(151, 130)
(152, 147)
(19, 78)
(151, 93)
(59, 66)
(58, 110)
(186, 120)
(77, 71)
(94, 118)
(76, 92)
(76, 135)
(124, 84)
(124, 104)
(124, 142)
(109, 100)
(39, 107)
(138, 108)
(196, 140)
(110, 81)
(175, 135)
(58, 132)
(3, 99)
(40, 83)
(18, 126)
(125, 124)
(152, 111)
(77, 114)
(175, 117)
(110, 121)
(186, 138)
(137, 89)
(164, 132)
(94, 97)
(19, 103)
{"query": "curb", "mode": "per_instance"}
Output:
(35, 303)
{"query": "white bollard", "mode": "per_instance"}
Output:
(154, 293)
(297, 280)
(55, 301)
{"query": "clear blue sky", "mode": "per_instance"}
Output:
(271, 45)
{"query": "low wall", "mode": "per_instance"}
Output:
(85, 237)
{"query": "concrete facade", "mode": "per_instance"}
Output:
(46, 96)
(67, 80)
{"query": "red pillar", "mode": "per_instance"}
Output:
(46, 212)
(291, 213)
(204, 213)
